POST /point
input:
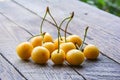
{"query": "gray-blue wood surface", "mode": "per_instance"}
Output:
(19, 18)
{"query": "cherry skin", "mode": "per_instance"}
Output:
(40, 55)
(91, 52)
(62, 40)
(67, 46)
(58, 58)
(75, 39)
(75, 57)
(36, 41)
(50, 46)
(24, 50)
(47, 38)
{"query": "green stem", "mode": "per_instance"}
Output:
(47, 9)
(53, 19)
(85, 34)
(32, 37)
(72, 15)
(54, 22)
(62, 23)
(77, 46)
(58, 40)
(59, 36)
(43, 34)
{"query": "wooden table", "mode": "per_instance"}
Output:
(19, 17)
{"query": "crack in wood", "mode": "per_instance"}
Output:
(16, 24)
(110, 58)
(76, 71)
(13, 66)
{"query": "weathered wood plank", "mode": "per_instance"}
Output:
(87, 69)
(101, 69)
(7, 71)
(104, 27)
(8, 9)
(11, 35)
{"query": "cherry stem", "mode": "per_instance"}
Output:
(32, 37)
(62, 23)
(53, 19)
(58, 40)
(36, 36)
(77, 46)
(54, 22)
(59, 36)
(47, 9)
(71, 17)
(85, 34)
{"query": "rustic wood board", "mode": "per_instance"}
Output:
(104, 27)
(101, 69)
(12, 21)
(8, 72)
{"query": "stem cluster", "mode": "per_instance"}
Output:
(59, 27)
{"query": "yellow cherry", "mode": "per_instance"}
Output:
(75, 39)
(24, 50)
(67, 46)
(47, 38)
(36, 41)
(61, 40)
(50, 46)
(58, 58)
(75, 57)
(91, 51)
(40, 55)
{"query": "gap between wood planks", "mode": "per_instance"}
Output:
(13, 66)
(55, 26)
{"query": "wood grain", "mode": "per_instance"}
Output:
(100, 69)
(7, 71)
(104, 27)
(13, 17)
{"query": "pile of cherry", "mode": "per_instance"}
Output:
(42, 47)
